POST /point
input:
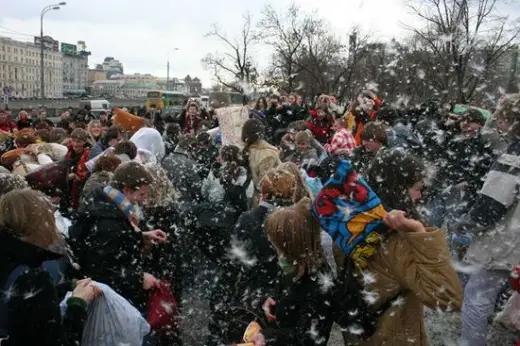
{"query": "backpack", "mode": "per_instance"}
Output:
(54, 268)
(352, 311)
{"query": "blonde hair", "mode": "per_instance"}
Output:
(295, 234)
(300, 190)
(28, 215)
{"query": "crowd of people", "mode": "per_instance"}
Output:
(301, 217)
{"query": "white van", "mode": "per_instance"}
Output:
(97, 106)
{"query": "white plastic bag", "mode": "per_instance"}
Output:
(510, 316)
(111, 320)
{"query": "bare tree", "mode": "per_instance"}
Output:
(285, 34)
(467, 37)
(234, 67)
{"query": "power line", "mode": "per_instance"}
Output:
(14, 32)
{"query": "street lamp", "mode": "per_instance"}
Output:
(45, 10)
(168, 69)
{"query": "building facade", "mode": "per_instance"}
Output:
(137, 90)
(107, 88)
(75, 72)
(20, 69)
(112, 66)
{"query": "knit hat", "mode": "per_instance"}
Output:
(351, 213)
(278, 186)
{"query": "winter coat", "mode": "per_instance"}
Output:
(167, 261)
(79, 168)
(247, 274)
(64, 124)
(303, 306)
(402, 136)
(33, 311)
(97, 149)
(24, 124)
(95, 182)
(8, 126)
(303, 159)
(205, 158)
(465, 160)
(182, 172)
(414, 269)
(108, 247)
(258, 270)
(262, 157)
(493, 218)
(321, 128)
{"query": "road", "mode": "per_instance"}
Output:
(62, 104)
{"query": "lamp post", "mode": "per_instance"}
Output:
(168, 69)
(45, 10)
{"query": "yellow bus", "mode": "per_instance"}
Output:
(161, 99)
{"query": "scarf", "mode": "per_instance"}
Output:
(351, 213)
(127, 207)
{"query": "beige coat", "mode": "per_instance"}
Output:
(262, 157)
(417, 266)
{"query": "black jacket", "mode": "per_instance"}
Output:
(166, 260)
(108, 247)
(33, 311)
(183, 173)
(303, 311)
(258, 272)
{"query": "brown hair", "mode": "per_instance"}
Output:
(126, 147)
(297, 237)
(28, 215)
(80, 135)
(57, 135)
(302, 137)
(300, 190)
(107, 163)
(375, 131)
(278, 185)
(298, 125)
(44, 135)
(24, 139)
(131, 175)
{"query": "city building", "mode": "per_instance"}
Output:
(75, 69)
(107, 87)
(112, 66)
(20, 69)
(137, 90)
(136, 78)
(96, 74)
(187, 85)
(194, 86)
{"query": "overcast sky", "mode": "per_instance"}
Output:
(142, 33)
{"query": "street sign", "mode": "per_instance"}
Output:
(67, 48)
